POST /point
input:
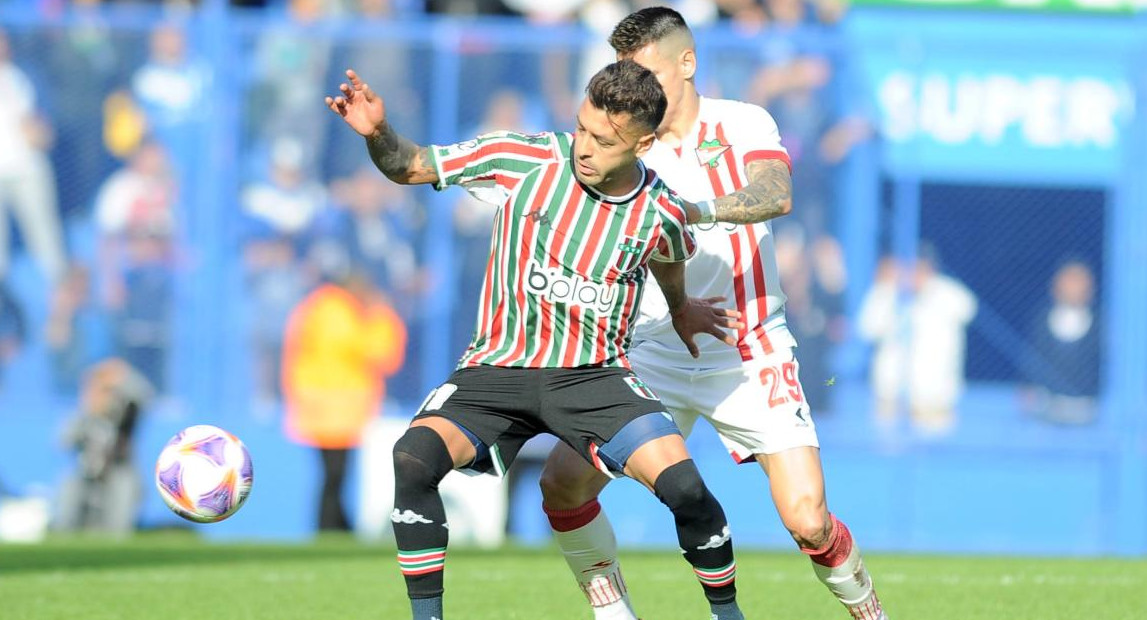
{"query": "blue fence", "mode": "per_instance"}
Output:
(1001, 155)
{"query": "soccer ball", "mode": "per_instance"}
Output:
(204, 474)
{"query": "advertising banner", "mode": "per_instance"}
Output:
(974, 97)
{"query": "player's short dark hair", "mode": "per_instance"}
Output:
(646, 26)
(625, 87)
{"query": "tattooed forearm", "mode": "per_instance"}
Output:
(401, 160)
(769, 194)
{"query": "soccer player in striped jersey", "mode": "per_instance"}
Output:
(727, 156)
(580, 221)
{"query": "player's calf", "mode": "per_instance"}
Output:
(421, 461)
(568, 481)
(838, 565)
(703, 534)
(570, 486)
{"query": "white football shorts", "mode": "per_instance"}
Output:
(757, 407)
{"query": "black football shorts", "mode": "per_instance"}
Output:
(501, 408)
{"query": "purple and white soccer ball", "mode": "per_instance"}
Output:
(204, 474)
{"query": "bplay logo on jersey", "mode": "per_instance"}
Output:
(557, 287)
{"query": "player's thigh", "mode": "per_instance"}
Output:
(672, 385)
(605, 415)
(568, 480)
(759, 408)
(796, 481)
(653, 457)
(482, 416)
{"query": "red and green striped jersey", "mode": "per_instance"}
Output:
(567, 264)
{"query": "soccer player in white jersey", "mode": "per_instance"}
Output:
(579, 222)
(727, 155)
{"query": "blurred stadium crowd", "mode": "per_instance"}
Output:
(110, 112)
(104, 125)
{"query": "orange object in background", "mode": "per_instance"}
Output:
(341, 344)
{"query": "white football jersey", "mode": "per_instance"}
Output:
(737, 262)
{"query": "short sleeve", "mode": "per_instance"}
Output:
(760, 138)
(676, 243)
(491, 165)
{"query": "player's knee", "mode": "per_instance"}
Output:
(810, 527)
(682, 490)
(421, 459)
(565, 487)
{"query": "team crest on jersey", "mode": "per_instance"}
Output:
(630, 250)
(638, 386)
(710, 151)
(630, 245)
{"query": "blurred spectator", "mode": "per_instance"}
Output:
(391, 68)
(135, 216)
(104, 493)
(280, 212)
(373, 223)
(830, 12)
(1066, 337)
(91, 58)
(76, 333)
(341, 343)
(27, 182)
(793, 91)
(291, 66)
(918, 319)
(473, 221)
(468, 7)
(12, 327)
(746, 14)
(288, 201)
(552, 11)
(753, 14)
(170, 86)
(814, 278)
(171, 89)
(599, 16)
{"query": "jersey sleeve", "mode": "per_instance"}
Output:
(759, 137)
(491, 165)
(676, 242)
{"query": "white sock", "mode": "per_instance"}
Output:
(839, 567)
(590, 548)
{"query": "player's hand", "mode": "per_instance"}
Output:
(704, 316)
(359, 106)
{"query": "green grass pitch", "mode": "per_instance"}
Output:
(165, 577)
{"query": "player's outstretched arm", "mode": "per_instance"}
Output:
(769, 194)
(401, 160)
(693, 316)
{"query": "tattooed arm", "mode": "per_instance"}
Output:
(363, 110)
(401, 160)
(769, 194)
